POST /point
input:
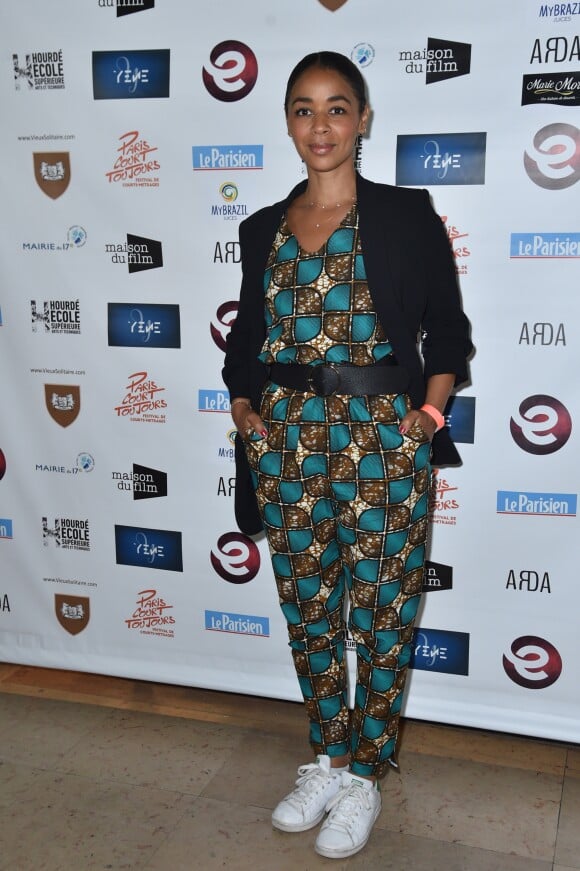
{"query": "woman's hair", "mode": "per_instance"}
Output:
(329, 60)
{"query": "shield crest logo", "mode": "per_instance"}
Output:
(332, 5)
(72, 612)
(52, 172)
(63, 402)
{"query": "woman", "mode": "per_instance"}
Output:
(335, 416)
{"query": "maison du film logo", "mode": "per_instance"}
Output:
(52, 172)
(75, 237)
(148, 548)
(437, 576)
(152, 615)
(142, 482)
(127, 7)
(68, 533)
(39, 71)
(542, 425)
(147, 325)
(72, 612)
(441, 159)
(557, 89)
(63, 402)
(138, 253)
(143, 401)
(532, 662)
(123, 75)
(225, 316)
(56, 316)
(552, 161)
(231, 71)
(236, 558)
(440, 60)
(136, 162)
(544, 246)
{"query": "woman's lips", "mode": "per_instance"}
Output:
(320, 148)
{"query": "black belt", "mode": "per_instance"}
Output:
(386, 376)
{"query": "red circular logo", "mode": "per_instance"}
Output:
(2, 464)
(237, 559)
(553, 159)
(231, 72)
(533, 662)
(226, 315)
(542, 425)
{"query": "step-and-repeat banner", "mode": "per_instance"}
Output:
(136, 135)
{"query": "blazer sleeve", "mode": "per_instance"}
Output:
(242, 371)
(446, 343)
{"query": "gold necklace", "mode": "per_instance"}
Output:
(313, 204)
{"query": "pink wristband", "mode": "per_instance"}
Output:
(435, 414)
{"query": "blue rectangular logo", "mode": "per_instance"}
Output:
(439, 650)
(5, 528)
(549, 504)
(441, 159)
(460, 418)
(126, 75)
(547, 246)
(148, 548)
(237, 624)
(222, 157)
(144, 325)
(213, 400)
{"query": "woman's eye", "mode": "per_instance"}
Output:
(302, 112)
(337, 110)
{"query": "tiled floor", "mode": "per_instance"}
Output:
(140, 776)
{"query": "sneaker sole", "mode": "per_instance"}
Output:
(298, 827)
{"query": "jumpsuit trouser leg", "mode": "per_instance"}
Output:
(344, 501)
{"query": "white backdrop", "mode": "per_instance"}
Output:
(118, 545)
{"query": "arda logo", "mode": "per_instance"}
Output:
(533, 662)
(226, 315)
(542, 425)
(236, 558)
(231, 72)
(553, 159)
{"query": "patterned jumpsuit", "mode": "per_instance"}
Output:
(343, 497)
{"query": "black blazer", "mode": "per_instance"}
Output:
(412, 281)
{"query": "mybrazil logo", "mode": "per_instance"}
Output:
(441, 159)
(440, 650)
(124, 75)
(220, 157)
(148, 548)
(546, 504)
(237, 624)
(136, 325)
(544, 246)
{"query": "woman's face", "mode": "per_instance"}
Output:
(324, 119)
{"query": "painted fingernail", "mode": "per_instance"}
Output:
(402, 429)
(264, 433)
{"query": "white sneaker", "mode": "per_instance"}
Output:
(305, 806)
(353, 812)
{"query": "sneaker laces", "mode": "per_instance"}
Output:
(347, 804)
(312, 778)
